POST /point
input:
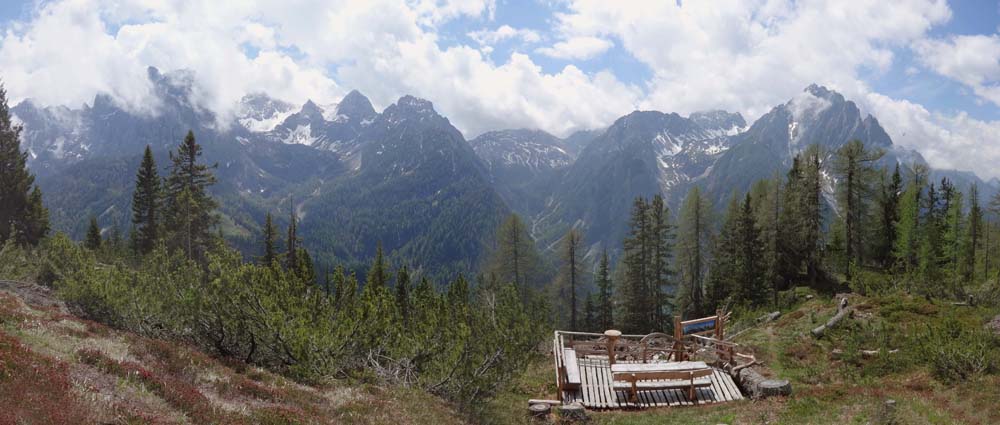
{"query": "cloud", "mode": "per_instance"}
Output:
(953, 141)
(576, 48)
(745, 56)
(505, 32)
(973, 60)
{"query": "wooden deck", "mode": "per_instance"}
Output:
(597, 391)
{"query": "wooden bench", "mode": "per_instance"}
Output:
(571, 370)
(661, 376)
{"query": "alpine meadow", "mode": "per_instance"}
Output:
(499, 212)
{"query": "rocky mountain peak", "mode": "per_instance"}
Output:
(719, 122)
(355, 106)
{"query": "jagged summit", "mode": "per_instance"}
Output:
(356, 106)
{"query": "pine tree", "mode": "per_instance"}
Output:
(292, 250)
(605, 292)
(812, 212)
(190, 209)
(955, 243)
(403, 294)
(22, 214)
(891, 190)
(693, 242)
(270, 233)
(93, 240)
(753, 289)
(36, 221)
(766, 196)
(853, 165)
(590, 314)
(378, 274)
(975, 232)
(661, 250)
(723, 276)
(146, 204)
(908, 232)
(636, 306)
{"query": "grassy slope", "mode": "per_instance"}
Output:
(56, 368)
(827, 389)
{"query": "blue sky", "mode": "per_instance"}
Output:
(928, 69)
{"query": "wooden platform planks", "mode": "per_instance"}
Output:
(597, 390)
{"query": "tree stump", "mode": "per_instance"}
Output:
(757, 386)
(539, 410)
(573, 412)
(887, 413)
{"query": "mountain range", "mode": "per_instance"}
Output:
(408, 179)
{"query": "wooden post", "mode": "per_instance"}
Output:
(678, 334)
(719, 323)
(612, 340)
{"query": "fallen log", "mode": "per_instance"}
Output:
(843, 310)
(873, 353)
(757, 386)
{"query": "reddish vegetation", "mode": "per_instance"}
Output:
(176, 392)
(35, 389)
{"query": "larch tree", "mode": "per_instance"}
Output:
(853, 165)
(694, 238)
(571, 272)
(515, 259)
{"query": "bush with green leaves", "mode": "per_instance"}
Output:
(462, 343)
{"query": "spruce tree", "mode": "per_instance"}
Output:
(93, 239)
(270, 233)
(146, 204)
(605, 292)
(190, 209)
(22, 214)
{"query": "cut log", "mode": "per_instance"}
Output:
(770, 317)
(757, 386)
(573, 412)
(887, 413)
(843, 310)
(549, 402)
(539, 410)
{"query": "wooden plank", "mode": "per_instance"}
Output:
(572, 367)
(729, 392)
(737, 395)
(656, 367)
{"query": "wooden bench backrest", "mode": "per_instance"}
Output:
(668, 375)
